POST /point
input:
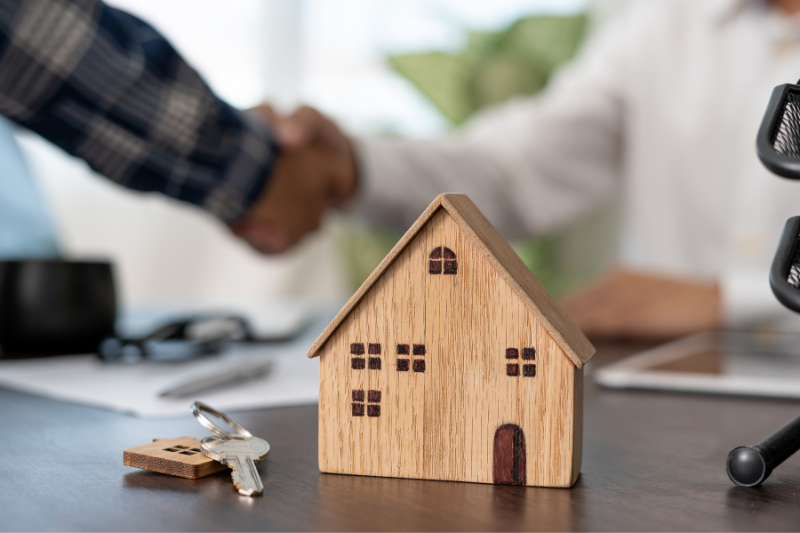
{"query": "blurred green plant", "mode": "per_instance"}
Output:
(492, 67)
(363, 249)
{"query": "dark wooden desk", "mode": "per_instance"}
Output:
(652, 461)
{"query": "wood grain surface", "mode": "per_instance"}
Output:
(652, 461)
(441, 423)
(506, 263)
(519, 277)
(177, 457)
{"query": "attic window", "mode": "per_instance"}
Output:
(442, 260)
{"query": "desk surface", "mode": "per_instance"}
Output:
(652, 461)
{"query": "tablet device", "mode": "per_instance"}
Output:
(727, 362)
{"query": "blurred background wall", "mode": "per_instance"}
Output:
(370, 64)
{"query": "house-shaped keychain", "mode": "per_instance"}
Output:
(452, 362)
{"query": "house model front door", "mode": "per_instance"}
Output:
(509, 455)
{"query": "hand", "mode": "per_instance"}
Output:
(316, 171)
(626, 304)
(302, 186)
(308, 127)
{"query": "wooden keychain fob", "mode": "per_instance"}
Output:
(178, 457)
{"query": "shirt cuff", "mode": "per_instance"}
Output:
(246, 174)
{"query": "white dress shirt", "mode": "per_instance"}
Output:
(662, 107)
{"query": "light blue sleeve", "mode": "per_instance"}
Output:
(26, 229)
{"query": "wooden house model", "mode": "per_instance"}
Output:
(452, 362)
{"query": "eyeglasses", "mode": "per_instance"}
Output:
(178, 340)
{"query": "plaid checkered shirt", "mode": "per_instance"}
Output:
(106, 87)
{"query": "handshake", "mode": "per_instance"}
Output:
(315, 171)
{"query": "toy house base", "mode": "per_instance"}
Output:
(452, 363)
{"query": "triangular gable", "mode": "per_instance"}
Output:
(502, 257)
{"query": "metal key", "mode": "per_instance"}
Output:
(241, 454)
(240, 451)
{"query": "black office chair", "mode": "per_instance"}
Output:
(778, 147)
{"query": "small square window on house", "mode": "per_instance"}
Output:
(357, 363)
(374, 363)
(357, 348)
(529, 353)
(512, 353)
(512, 370)
(529, 371)
(402, 349)
(374, 348)
(374, 396)
(358, 395)
(419, 349)
(402, 365)
(358, 409)
(419, 365)
(373, 410)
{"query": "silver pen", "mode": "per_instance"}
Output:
(237, 373)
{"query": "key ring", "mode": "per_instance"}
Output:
(197, 411)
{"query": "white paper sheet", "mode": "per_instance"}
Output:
(293, 379)
(134, 388)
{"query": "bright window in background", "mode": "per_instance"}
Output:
(223, 40)
(347, 42)
(329, 53)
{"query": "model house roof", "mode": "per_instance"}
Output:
(502, 257)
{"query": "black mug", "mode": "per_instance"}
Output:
(55, 307)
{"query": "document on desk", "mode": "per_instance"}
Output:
(293, 379)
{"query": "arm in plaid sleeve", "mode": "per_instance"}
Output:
(106, 87)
